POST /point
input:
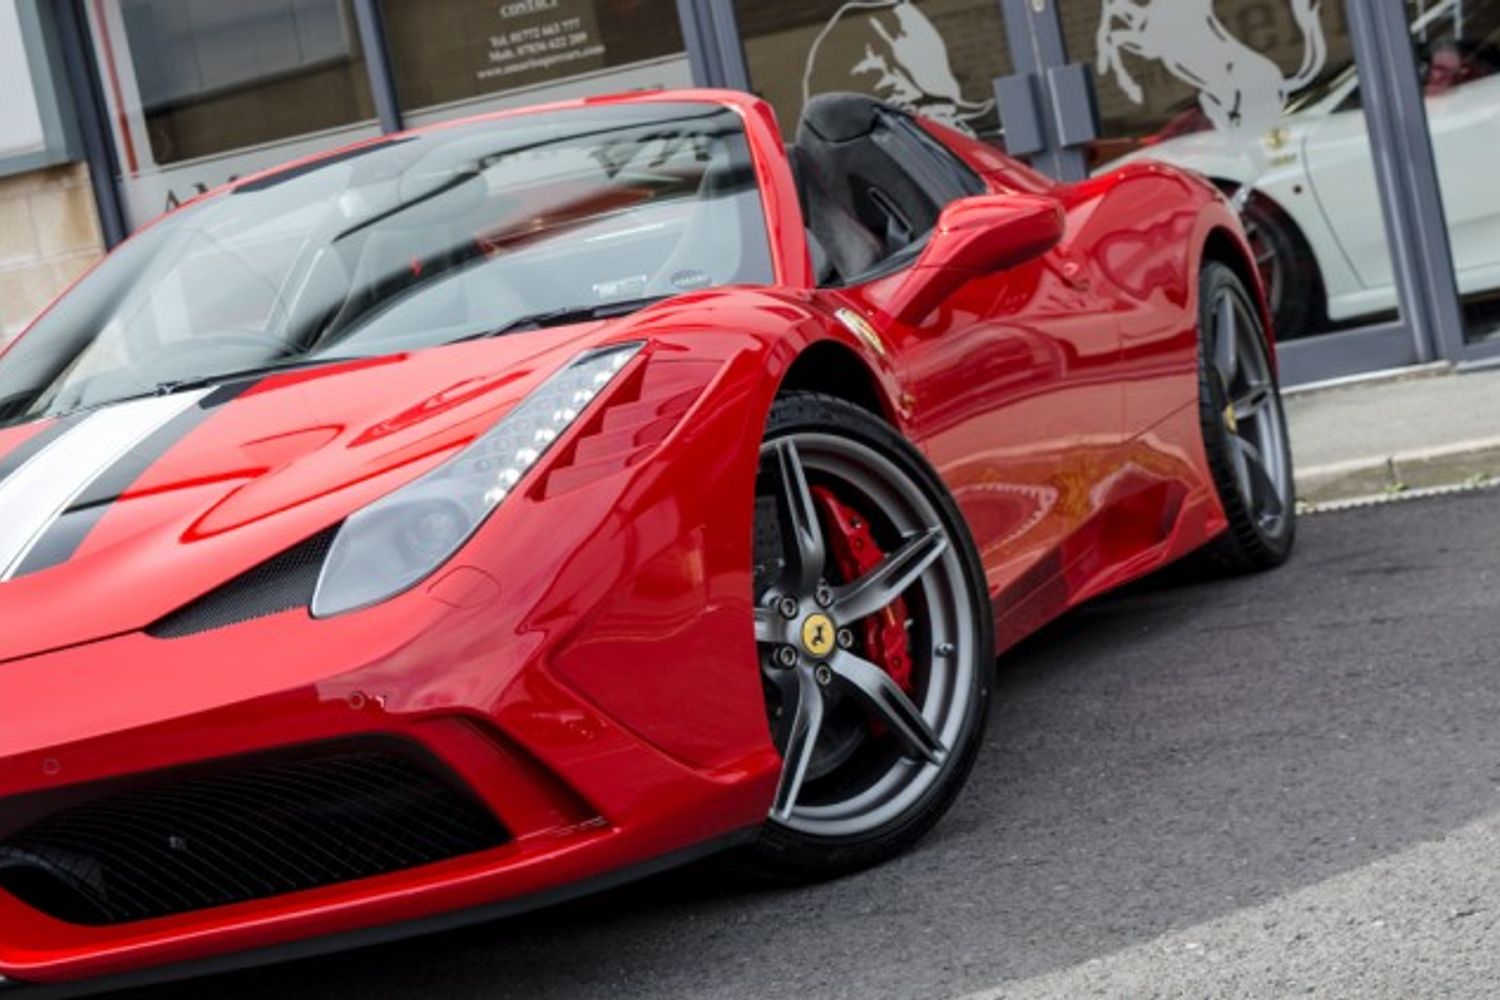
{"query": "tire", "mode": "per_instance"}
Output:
(1244, 427)
(871, 780)
(1288, 269)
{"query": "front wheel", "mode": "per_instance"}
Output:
(875, 635)
(1244, 426)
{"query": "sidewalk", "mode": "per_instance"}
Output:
(1408, 432)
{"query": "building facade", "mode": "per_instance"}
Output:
(1355, 134)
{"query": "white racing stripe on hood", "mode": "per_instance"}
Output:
(37, 494)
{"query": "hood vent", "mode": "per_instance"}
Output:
(637, 419)
(282, 583)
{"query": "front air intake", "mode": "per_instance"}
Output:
(238, 830)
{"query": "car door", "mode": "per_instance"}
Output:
(1341, 173)
(1465, 122)
(1011, 390)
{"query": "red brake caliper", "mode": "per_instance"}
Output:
(855, 552)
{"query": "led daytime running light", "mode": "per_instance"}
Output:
(400, 539)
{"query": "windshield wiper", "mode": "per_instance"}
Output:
(239, 375)
(565, 315)
(199, 382)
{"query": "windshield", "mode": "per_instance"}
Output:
(409, 243)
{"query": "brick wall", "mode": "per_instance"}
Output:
(49, 234)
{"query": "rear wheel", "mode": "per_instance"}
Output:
(875, 637)
(1288, 270)
(1244, 426)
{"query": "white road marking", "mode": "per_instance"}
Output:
(1421, 923)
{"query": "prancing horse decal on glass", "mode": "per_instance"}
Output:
(890, 50)
(1240, 90)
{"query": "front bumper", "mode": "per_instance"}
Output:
(584, 799)
(349, 940)
(595, 685)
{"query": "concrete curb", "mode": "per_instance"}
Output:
(1446, 465)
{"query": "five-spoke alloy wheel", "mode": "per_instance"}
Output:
(874, 633)
(1244, 427)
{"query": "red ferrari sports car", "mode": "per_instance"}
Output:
(476, 516)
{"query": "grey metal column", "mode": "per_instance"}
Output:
(371, 23)
(1431, 268)
(1059, 93)
(712, 33)
(1430, 325)
(732, 60)
(1367, 36)
(93, 118)
(1401, 146)
(702, 46)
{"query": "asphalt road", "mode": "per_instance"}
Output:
(1257, 787)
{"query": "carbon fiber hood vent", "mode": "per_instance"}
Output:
(281, 583)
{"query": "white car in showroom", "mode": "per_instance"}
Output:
(1313, 211)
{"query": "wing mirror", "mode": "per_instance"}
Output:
(976, 236)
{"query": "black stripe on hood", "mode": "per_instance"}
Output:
(34, 445)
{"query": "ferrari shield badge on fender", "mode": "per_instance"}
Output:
(861, 328)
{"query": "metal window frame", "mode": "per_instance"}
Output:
(61, 141)
(716, 51)
(1430, 325)
(369, 18)
(1406, 181)
(1034, 31)
(1431, 321)
(709, 30)
(87, 92)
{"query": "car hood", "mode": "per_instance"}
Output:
(114, 518)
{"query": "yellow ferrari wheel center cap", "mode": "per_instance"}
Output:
(818, 635)
(1230, 420)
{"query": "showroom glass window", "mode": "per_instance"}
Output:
(460, 57)
(1457, 46)
(201, 91)
(936, 58)
(1262, 97)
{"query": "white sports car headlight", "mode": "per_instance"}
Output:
(400, 539)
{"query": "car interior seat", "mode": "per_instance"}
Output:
(861, 205)
(724, 204)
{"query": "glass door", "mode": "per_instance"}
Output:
(1264, 99)
(1457, 48)
(935, 57)
(480, 56)
(200, 92)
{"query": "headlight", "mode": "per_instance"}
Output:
(400, 539)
